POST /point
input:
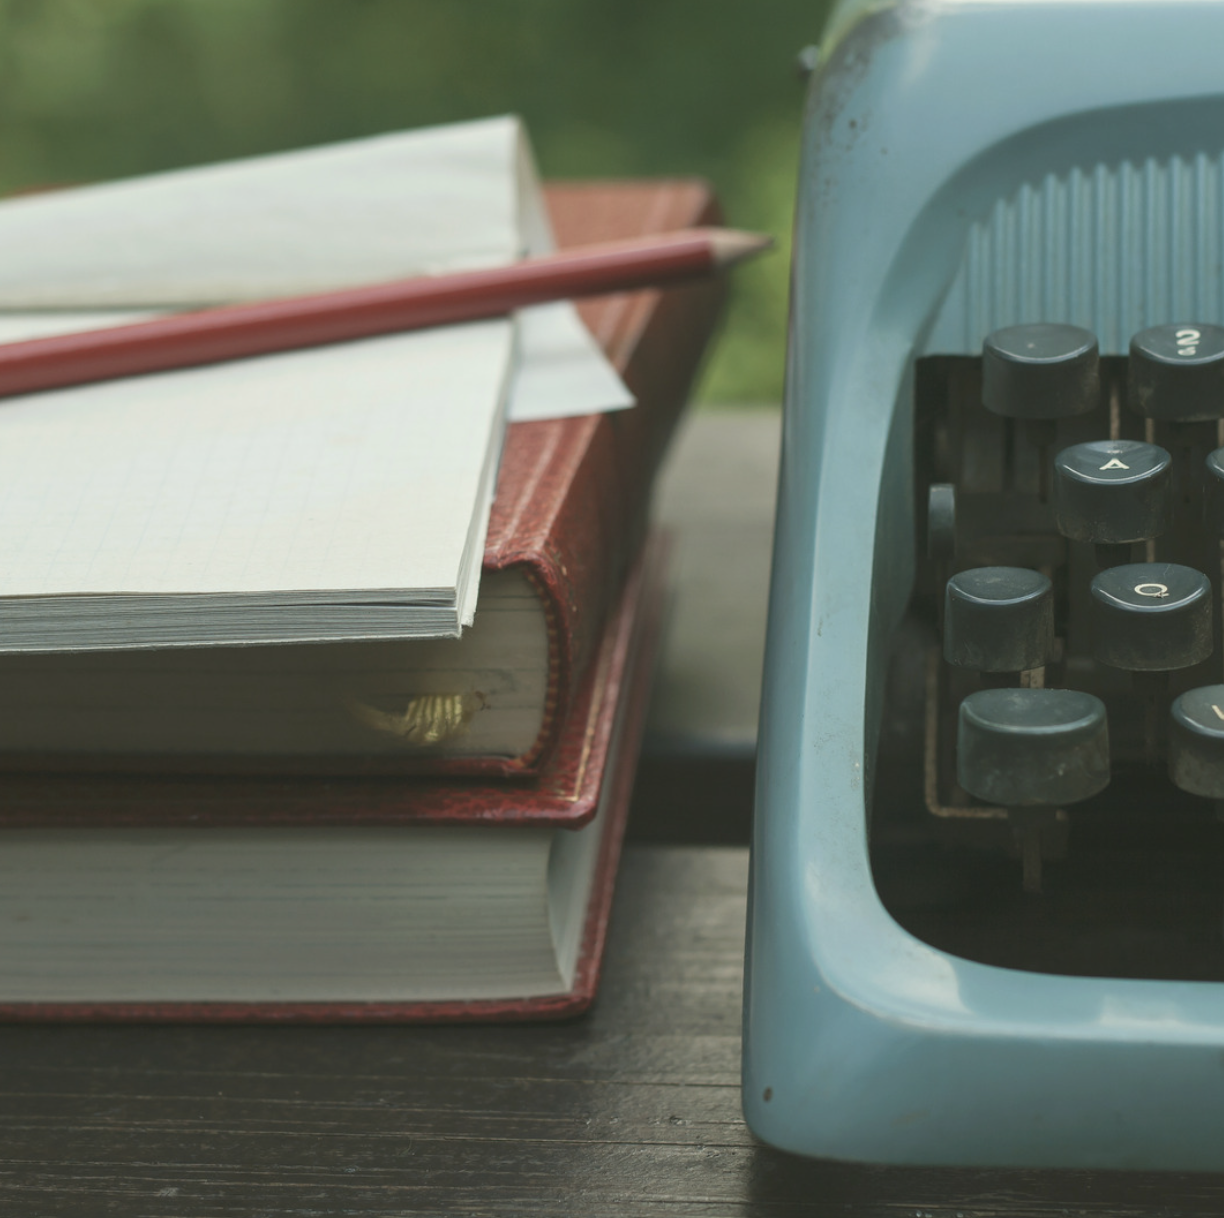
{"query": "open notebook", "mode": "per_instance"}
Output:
(338, 494)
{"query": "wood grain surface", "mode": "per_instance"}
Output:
(632, 1110)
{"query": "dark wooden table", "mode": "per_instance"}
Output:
(632, 1110)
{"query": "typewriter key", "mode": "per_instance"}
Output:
(1213, 499)
(1032, 747)
(998, 619)
(1040, 371)
(1196, 741)
(1112, 492)
(1176, 372)
(1151, 617)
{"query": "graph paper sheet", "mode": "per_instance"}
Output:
(334, 493)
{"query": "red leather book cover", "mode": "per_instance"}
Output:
(573, 494)
(610, 708)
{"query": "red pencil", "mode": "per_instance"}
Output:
(184, 340)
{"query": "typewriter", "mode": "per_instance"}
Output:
(987, 891)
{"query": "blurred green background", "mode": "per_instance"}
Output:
(93, 89)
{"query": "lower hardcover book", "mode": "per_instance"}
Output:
(355, 900)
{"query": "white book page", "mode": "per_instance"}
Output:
(354, 467)
(284, 914)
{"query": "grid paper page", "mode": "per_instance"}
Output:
(352, 467)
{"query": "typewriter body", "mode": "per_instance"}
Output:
(988, 861)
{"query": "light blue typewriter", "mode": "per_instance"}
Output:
(988, 866)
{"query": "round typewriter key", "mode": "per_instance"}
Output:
(1032, 747)
(1196, 741)
(998, 619)
(1151, 616)
(1176, 372)
(1040, 371)
(1213, 492)
(1112, 492)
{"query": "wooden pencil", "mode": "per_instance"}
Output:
(184, 340)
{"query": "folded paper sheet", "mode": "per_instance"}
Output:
(366, 211)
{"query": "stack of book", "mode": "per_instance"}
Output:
(275, 742)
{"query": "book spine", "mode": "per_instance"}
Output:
(573, 496)
(574, 556)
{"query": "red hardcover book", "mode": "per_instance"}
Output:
(227, 899)
(573, 494)
(569, 513)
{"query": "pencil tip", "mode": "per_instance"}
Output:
(730, 245)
